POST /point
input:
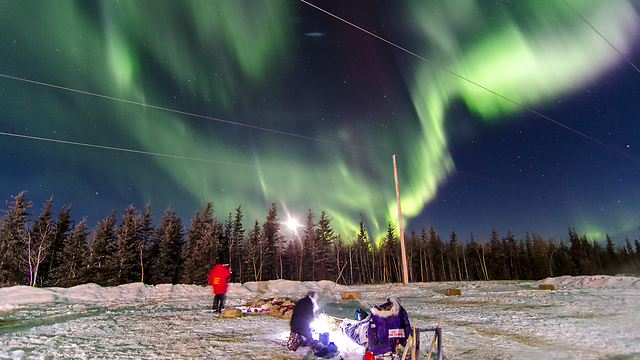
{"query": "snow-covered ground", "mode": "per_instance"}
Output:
(593, 317)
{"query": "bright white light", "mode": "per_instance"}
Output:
(319, 325)
(293, 224)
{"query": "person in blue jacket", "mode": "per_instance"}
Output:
(382, 330)
(389, 325)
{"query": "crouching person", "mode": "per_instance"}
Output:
(304, 313)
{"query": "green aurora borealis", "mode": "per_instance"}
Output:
(303, 110)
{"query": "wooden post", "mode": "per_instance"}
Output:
(405, 273)
(433, 342)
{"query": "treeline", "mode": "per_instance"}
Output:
(55, 251)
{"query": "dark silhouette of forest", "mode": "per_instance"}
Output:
(52, 250)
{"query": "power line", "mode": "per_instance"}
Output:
(116, 148)
(188, 113)
(472, 82)
(603, 38)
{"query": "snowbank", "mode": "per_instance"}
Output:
(595, 281)
(490, 319)
(16, 296)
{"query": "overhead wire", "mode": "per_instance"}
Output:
(185, 113)
(603, 38)
(473, 83)
(294, 134)
(115, 148)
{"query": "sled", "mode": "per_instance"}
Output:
(436, 339)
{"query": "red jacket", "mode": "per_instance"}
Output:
(218, 278)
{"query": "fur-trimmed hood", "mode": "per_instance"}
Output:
(389, 309)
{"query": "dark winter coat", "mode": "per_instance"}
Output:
(390, 316)
(302, 317)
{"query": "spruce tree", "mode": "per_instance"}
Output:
(391, 251)
(611, 258)
(436, 247)
(511, 256)
(13, 238)
(71, 268)
(272, 240)
(103, 261)
(236, 247)
(541, 258)
(363, 250)
(169, 239)
(453, 259)
(255, 253)
(129, 234)
(424, 255)
(143, 248)
(324, 238)
(308, 262)
(62, 226)
(193, 251)
(496, 260)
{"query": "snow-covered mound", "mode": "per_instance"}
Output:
(595, 281)
(12, 297)
(490, 319)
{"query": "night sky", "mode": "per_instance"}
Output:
(104, 104)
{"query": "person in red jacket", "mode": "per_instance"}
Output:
(218, 280)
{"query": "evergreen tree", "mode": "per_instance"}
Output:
(390, 262)
(412, 256)
(128, 235)
(562, 260)
(12, 242)
(273, 241)
(436, 256)
(424, 256)
(324, 240)
(193, 252)
(529, 257)
(103, 261)
(71, 268)
(579, 254)
(541, 258)
(451, 255)
(236, 246)
(496, 264)
(293, 259)
(63, 226)
(511, 256)
(255, 253)
(611, 258)
(308, 262)
(630, 258)
(522, 261)
(364, 252)
(480, 261)
(143, 248)
(169, 238)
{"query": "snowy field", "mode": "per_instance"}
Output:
(595, 317)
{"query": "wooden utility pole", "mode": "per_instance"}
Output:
(405, 273)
